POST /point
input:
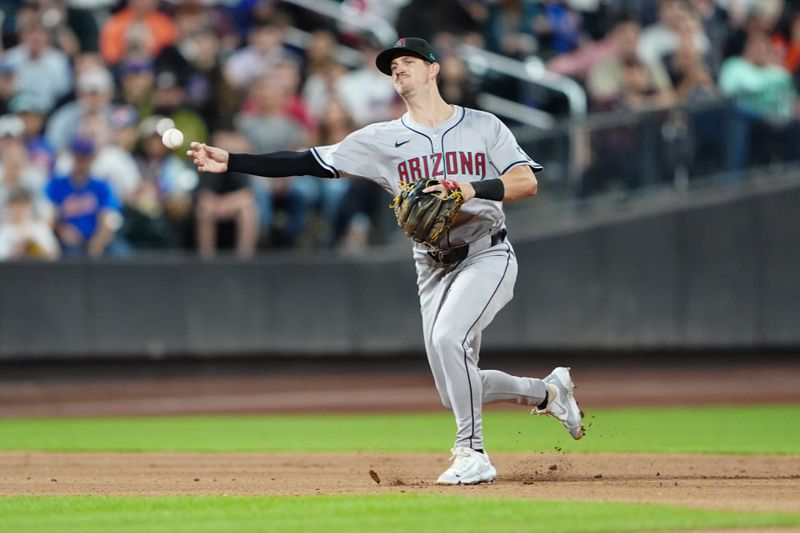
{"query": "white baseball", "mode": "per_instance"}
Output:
(172, 138)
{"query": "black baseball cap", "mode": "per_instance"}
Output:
(407, 46)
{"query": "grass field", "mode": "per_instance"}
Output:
(740, 430)
(390, 513)
(751, 430)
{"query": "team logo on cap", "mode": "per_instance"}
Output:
(400, 42)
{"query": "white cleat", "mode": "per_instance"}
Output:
(561, 403)
(469, 467)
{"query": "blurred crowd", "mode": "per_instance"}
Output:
(88, 86)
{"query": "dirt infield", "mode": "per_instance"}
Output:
(700, 481)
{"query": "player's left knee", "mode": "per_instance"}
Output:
(445, 340)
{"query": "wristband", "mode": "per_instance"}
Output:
(493, 189)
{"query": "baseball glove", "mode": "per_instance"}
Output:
(426, 216)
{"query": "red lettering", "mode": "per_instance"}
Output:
(425, 167)
(413, 169)
(451, 159)
(437, 164)
(402, 172)
(480, 164)
(466, 163)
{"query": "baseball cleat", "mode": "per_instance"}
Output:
(469, 468)
(561, 403)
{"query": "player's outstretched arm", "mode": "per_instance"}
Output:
(208, 158)
(273, 165)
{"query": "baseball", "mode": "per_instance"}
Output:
(172, 138)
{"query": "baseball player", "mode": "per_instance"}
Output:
(469, 276)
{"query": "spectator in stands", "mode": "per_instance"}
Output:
(266, 124)
(227, 197)
(455, 84)
(689, 70)
(8, 85)
(40, 68)
(137, 81)
(351, 207)
(426, 18)
(717, 27)
(321, 86)
(87, 214)
(207, 89)
(557, 27)
(605, 80)
(23, 235)
(264, 50)
(139, 31)
(95, 90)
(661, 39)
(704, 149)
(72, 30)
(319, 53)
(169, 99)
(193, 17)
(113, 163)
(766, 99)
(624, 30)
(270, 130)
(124, 122)
(509, 29)
(628, 154)
(31, 109)
(86, 62)
(16, 169)
(335, 125)
(287, 75)
(366, 92)
(159, 213)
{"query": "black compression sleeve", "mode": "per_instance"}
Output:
(493, 189)
(278, 164)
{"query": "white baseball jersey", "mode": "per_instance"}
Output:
(470, 146)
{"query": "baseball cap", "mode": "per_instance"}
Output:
(82, 146)
(136, 66)
(95, 80)
(11, 126)
(407, 46)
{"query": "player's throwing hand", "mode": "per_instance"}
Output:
(208, 158)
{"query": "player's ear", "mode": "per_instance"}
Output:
(435, 68)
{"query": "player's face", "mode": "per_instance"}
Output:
(409, 73)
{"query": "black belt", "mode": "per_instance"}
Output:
(456, 254)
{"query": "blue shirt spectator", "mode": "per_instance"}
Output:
(87, 213)
(80, 204)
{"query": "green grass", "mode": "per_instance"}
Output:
(741, 430)
(389, 513)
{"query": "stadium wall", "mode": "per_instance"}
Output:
(719, 274)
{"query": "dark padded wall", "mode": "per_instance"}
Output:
(725, 274)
